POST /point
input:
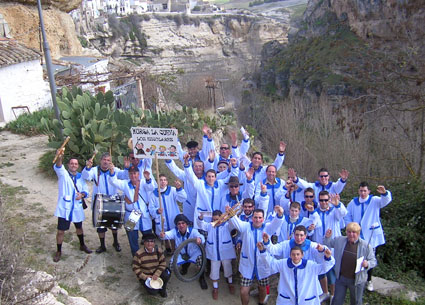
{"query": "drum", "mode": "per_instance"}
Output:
(108, 211)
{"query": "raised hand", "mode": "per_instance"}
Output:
(328, 233)
(344, 174)
(381, 189)
(186, 159)
(126, 162)
(334, 199)
(89, 163)
(328, 252)
(147, 175)
(279, 210)
(260, 246)
(282, 147)
(234, 138)
(211, 155)
(263, 188)
(292, 174)
(249, 173)
(265, 238)
(111, 168)
(320, 248)
(309, 207)
(207, 131)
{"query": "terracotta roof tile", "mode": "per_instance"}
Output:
(11, 52)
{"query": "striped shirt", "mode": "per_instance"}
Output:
(147, 264)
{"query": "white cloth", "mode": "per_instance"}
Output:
(330, 220)
(169, 198)
(366, 213)
(249, 265)
(215, 269)
(191, 249)
(100, 180)
(298, 284)
(219, 244)
(191, 192)
(286, 230)
(283, 249)
(331, 187)
(67, 206)
(208, 197)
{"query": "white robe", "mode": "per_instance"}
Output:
(330, 219)
(366, 213)
(249, 265)
(298, 284)
(219, 245)
(67, 206)
(191, 249)
(169, 198)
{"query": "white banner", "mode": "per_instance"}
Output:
(148, 142)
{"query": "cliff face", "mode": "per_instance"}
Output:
(224, 44)
(335, 39)
(378, 19)
(23, 22)
(354, 74)
(63, 5)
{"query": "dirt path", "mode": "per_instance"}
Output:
(107, 278)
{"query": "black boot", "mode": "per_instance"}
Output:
(184, 268)
(202, 282)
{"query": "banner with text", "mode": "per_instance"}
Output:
(149, 141)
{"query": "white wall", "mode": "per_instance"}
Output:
(22, 85)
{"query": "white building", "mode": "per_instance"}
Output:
(21, 80)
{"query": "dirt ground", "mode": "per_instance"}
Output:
(107, 279)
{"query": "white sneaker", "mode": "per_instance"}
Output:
(369, 286)
(266, 298)
(330, 299)
(324, 297)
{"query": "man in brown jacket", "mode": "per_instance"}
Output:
(149, 262)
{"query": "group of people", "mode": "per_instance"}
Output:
(286, 226)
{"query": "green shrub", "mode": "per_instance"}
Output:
(400, 258)
(83, 41)
(403, 222)
(30, 123)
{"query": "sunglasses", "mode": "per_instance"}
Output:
(324, 176)
(224, 148)
(323, 200)
(306, 196)
(233, 186)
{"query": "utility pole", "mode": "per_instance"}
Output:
(48, 59)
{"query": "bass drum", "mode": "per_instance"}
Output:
(108, 211)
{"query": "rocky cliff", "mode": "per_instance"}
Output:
(352, 77)
(377, 19)
(225, 44)
(63, 5)
(23, 22)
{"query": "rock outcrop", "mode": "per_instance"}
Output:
(23, 22)
(378, 19)
(63, 5)
(228, 44)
